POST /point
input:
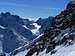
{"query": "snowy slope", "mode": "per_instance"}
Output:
(22, 53)
(61, 51)
(36, 30)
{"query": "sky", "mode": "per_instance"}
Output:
(33, 8)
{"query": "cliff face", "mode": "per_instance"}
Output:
(62, 32)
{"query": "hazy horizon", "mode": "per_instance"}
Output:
(33, 8)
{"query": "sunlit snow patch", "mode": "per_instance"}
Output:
(2, 27)
(62, 51)
(22, 53)
(36, 30)
(25, 26)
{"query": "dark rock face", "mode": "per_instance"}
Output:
(61, 32)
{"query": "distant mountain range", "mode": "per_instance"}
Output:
(16, 31)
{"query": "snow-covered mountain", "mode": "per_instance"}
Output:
(16, 32)
(13, 34)
(57, 40)
(60, 51)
